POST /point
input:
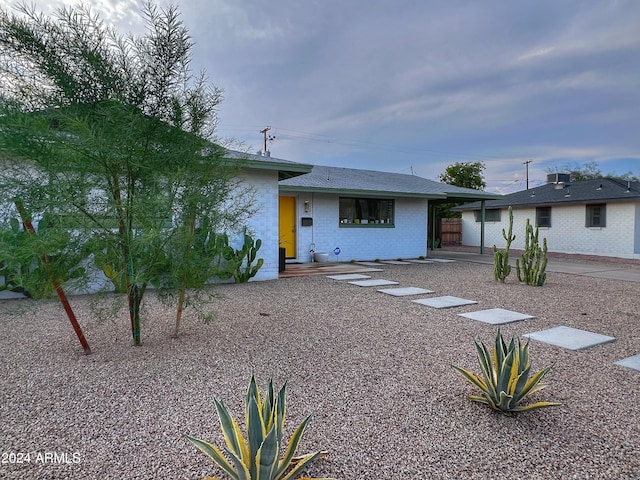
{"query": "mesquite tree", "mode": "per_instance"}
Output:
(112, 134)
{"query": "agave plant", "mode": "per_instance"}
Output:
(505, 380)
(257, 457)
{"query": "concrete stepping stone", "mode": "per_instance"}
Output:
(496, 316)
(376, 282)
(370, 264)
(348, 276)
(442, 260)
(569, 337)
(404, 291)
(444, 302)
(630, 362)
(396, 262)
(419, 261)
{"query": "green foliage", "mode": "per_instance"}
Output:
(531, 267)
(460, 174)
(465, 174)
(23, 255)
(257, 456)
(239, 261)
(112, 133)
(506, 381)
(501, 267)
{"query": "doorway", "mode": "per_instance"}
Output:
(287, 225)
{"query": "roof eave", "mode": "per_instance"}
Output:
(354, 191)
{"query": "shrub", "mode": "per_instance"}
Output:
(505, 380)
(257, 457)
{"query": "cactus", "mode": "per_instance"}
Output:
(239, 262)
(533, 263)
(501, 267)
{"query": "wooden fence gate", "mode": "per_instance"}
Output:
(451, 229)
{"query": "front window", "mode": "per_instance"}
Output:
(596, 215)
(543, 216)
(366, 211)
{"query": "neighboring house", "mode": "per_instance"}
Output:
(366, 214)
(593, 217)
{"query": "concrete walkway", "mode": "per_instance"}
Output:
(591, 268)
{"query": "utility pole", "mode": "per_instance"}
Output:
(271, 138)
(526, 164)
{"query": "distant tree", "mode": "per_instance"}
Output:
(589, 171)
(461, 174)
(465, 174)
(579, 172)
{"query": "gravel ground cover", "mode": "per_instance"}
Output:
(373, 369)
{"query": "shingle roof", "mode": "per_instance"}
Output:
(286, 168)
(355, 181)
(586, 191)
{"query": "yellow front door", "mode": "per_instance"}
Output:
(287, 225)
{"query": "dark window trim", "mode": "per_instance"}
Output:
(380, 212)
(490, 215)
(543, 221)
(590, 216)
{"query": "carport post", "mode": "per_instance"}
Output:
(482, 226)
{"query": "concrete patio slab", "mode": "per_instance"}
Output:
(569, 337)
(396, 262)
(630, 362)
(496, 316)
(405, 291)
(348, 276)
(445, 302)
(376, 282)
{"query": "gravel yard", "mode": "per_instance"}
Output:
(372, 368)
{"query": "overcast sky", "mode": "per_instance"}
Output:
(413, 86)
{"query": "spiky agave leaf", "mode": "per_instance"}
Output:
(256, 431)
(216, 455)
(267, 457)
(231, 432)
(290, 451)
(488, 371)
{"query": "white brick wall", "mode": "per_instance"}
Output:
(408, 239)
(264, 225)
(567, 234)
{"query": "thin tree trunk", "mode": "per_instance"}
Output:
(135, 299)
(183, 286)
(181, 296)
(28, 226)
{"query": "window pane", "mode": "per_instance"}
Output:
(596, 215)
(366, 211)
(543, 216)
(490, 215)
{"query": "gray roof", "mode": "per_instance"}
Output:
(367, 182)
(286, 168)
(587, 191)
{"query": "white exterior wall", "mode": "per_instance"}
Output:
(567, 234)
(264, 225)
(407, 239)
